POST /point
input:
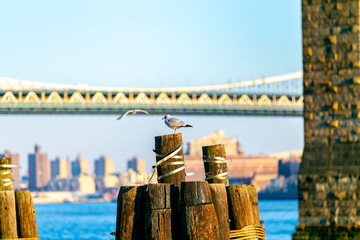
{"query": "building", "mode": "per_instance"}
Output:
(60, 168)
(137, 164)
(15, 159)
(104, 169)
(83, 184)
(39, 169)
(289, 167)
(256, 169)
(103, 166)
(79, 166)
(231, 145)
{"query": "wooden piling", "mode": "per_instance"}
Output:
(6, 175)
(130, 216)
(159, 200)
(219, 197)
(8, 226)
(199, 219)
(243, 206)
(25, 214)
(165, 145)
(215, 165)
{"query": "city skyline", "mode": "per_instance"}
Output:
(120, 165)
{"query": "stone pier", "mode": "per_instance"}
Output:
(329, 176)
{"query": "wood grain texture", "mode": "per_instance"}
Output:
(195, 193)
(8, 226)
(200, 222)
(243, 206)
(6, 176)
(158, 224)
(164, 145)
(25, 214)
(130, 218)
(213, 169)
(158, 196)
(219, 197)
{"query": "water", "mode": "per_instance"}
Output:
(82, 221)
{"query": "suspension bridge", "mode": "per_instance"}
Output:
(272, 96)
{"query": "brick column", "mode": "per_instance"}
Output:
(329, 176)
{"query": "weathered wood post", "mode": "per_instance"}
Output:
(172, 169)
(25, 214)
(199, 219)
(159, 217)
(6, 181)
(130, 213)
(219, 199)
(214, 158)
(8, 227)
(244, 208)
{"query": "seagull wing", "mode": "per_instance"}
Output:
(174, 122)
(140, 110)
(124, 114)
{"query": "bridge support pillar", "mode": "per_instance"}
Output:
(329, 176)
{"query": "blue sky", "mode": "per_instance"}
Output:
(146, 44)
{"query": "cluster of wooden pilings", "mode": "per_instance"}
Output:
(17, 214)
(176, 209)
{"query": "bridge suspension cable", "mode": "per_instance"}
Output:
(16, 84)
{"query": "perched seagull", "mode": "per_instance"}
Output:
(174, 123)
(132, 111)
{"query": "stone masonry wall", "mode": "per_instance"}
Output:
(329, 176)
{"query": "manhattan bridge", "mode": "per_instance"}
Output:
(268, 96)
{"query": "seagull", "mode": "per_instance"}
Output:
(132, 111)
(174, 123)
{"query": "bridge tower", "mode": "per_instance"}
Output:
(329, 176)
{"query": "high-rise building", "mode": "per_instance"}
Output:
(60, 168)
(79, 167)
(104, 166)
(137, 164)
(39, 169)
(15, 159)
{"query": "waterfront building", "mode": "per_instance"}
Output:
(137, 164)
(232, 146)
(83, 184)
(15, 159)
(79, 166)
(258, 170)
(104, 166)
(39, 169)
(60, 168)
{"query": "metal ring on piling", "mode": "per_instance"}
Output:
(6, 182)
(221, 176)
(163, 163)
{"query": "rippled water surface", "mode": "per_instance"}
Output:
(97, 220)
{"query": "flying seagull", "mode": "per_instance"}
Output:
(174, 123)
(132, 111)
